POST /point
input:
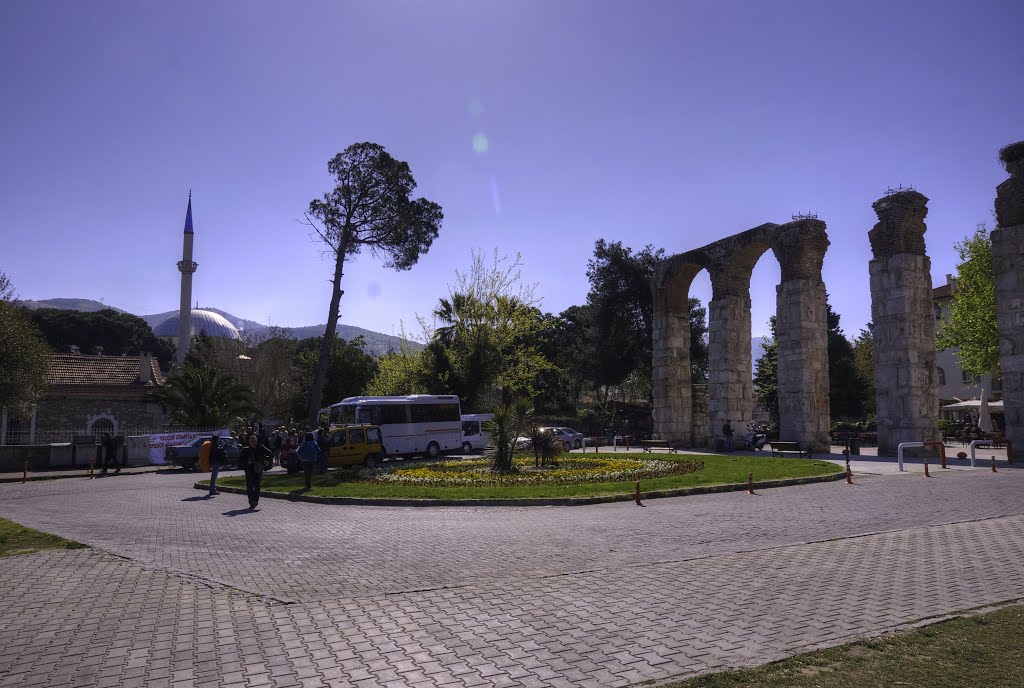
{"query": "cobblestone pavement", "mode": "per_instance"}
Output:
(181, 589)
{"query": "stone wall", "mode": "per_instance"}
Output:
(75, 411)
(1008, 269)
(904, 323)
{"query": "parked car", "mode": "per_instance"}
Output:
(569, 438)
(187, 455)
(523, 444)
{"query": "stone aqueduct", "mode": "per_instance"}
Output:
(901, 310)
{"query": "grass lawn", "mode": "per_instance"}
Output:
(17, 539)
(717, 470)
(970, 652)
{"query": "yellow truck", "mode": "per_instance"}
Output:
(352, 445)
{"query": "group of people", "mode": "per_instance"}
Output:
(261, 452)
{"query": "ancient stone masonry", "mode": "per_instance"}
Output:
(904, 323)
(1008, 269)
(803, 353)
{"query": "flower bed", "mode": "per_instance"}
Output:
(570, 470)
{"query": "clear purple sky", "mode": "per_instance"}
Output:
(671, 123)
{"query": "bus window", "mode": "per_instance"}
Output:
(373, 434)
(343, 415)
(393, 413)
(471, 427)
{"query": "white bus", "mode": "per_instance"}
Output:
(415, 424)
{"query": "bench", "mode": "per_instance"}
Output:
(783, 448)
(650, 445)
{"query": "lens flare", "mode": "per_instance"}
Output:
(480, 143)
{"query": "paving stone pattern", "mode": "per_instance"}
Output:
(181, 590)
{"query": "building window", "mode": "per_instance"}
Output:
(942, 376)
(970, 378)
(938, 311)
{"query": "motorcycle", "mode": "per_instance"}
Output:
(753, 439)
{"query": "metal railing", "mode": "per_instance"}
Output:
(45, 437)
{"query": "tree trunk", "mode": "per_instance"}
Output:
(327, 344)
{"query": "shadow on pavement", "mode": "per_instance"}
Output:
(238, 512)
(198, 498)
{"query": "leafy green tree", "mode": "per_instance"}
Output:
(112, 332)
(766, 373)
(488, 344)
(7, 291)
(201, 396)
(400, 373)
(369, 208)
(972, 325)
(349, 370)
(847, 391)
(623, 316)
(24, 359)
(864, 360)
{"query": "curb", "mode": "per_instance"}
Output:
(553, 501)
(39, 477)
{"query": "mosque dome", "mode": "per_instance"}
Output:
(210, 323)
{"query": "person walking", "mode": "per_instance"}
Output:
(308, 451)
(254, 463)
(727, 433)
(217, 457)
(321, 441)
(109, 443)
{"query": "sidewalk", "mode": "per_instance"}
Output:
(18, 476)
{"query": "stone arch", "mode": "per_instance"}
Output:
(799, 248)
(100, 423)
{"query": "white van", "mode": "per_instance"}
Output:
(473, 436)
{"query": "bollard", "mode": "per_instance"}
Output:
(638, 493)
(92, 464)
(24, 476)
(926, 467)
(849, 474)
(994, 465)
(750, 483)
(626, 440)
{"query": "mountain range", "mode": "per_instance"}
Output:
(376, 343)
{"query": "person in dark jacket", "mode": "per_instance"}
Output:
(255, 457)
(110, 445)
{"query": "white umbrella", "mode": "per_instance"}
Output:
(984, 417)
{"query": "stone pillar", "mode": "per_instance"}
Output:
(802, 340)
(671, 358)
(730, 382)
(801, 325)
(1008, 270)
(904, 323)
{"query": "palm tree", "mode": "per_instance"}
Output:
(203, 397)
(503, 429)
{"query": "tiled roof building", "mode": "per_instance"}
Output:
(96, 394)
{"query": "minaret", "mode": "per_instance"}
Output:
(186, 266)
